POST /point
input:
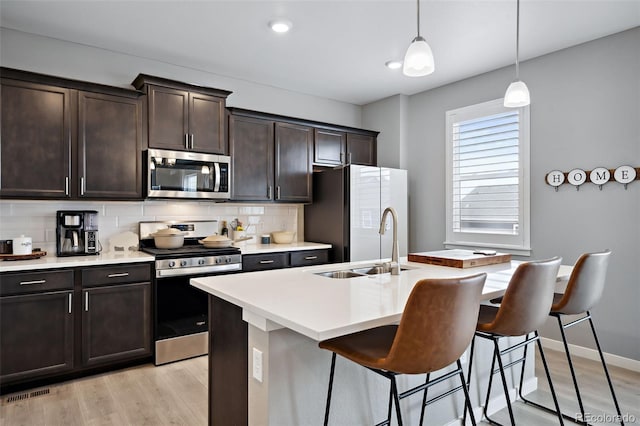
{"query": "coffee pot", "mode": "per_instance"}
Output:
(77, 232)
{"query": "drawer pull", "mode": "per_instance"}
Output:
(310, 257)
(266, 262)
(121, 274)
(33, 282)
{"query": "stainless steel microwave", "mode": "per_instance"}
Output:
(178, 174)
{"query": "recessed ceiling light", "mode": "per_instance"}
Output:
(280, 25)
(394, 65)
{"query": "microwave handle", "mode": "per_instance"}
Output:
(216, 184)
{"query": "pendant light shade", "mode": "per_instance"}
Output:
(418, 61)
(517, 94)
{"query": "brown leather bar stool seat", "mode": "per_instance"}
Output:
(584, 289)
(524, 308)
(436, 327)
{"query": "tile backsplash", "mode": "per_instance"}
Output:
(37, 219)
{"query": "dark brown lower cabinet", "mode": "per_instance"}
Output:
(69, 322)
(116, 323)
(36, 335)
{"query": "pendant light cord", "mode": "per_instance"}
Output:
(418, 15)
(517, 40)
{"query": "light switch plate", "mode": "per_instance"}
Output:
(257, 365)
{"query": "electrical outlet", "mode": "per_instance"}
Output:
(257, 365)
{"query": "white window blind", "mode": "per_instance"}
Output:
(488, 177)
(486, 174)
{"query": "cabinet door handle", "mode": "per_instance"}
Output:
(278, 192)
(70, 299)
(121, 274)
(192, 141)
(341, 157)
(82, 185)
(86, 301)
(33, 282)
(266, 262)
(310, 257)
(349, 159)
(186, 141)
(66, 185)
(269, 192)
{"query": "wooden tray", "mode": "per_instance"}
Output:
(458, 258)
(33, 255)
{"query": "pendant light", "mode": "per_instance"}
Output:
(418, 61)
(517, 94)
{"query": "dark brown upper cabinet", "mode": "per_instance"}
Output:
(36, 138)
(184, 117)
(67, 139)
(109, 146)
(361, 149)
(330, 147)
(271, 161)
(293, 164)
(251, 149)
(336, 148)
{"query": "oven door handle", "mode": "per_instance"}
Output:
(160, 273)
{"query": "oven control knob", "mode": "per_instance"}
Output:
(183, 263)
(172, 264)
(218, 260)
(227, 259)
(200, 261)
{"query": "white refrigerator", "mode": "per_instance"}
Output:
(347, 207)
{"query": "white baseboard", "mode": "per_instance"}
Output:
(592, 354)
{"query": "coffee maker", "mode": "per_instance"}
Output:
(77, 232)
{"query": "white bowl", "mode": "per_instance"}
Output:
(282, 237)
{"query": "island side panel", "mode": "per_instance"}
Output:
(228, 364)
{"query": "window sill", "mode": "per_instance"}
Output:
(518, 251)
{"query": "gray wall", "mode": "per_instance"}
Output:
(585, 113)
(55, 57)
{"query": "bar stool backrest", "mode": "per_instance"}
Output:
(586, 284)
(437, 324)
(527, 300)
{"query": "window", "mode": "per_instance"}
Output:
(488, 177)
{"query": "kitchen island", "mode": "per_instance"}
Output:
(266, 367)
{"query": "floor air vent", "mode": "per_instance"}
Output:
(33, 394)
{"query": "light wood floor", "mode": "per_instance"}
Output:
(176, 394)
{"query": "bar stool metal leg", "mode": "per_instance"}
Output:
(424, 400)
(546, 370)
(333, 368)
(606, 370)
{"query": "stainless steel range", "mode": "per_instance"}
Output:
(181, 311)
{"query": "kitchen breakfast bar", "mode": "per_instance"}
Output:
(265, 367)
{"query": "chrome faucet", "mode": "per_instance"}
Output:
(395, 264)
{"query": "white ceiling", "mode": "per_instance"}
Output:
(336, 49)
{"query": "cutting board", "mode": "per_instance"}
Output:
(458, 258)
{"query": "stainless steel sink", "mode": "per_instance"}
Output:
(340, 274)
(359, 272)
(373, 270)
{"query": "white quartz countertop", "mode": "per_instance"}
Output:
(52, 261)
(274, 248)
(320, 307)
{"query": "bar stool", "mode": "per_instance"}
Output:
(583, 291)
(524, 308)
(436, 327)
